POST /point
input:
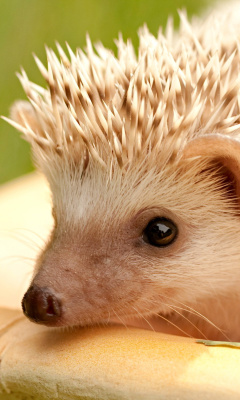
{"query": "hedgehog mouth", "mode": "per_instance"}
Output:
(130, 319)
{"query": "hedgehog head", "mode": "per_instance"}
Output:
(128, 141)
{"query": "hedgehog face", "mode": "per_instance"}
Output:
(103, 261)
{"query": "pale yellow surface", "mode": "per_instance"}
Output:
(112, 363)
(25, 220)
(93, 363)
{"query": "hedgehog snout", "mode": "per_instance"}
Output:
(40, 305)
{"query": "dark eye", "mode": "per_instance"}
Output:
(160, 232)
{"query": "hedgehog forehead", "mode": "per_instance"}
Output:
(99, 196)
(96, 199)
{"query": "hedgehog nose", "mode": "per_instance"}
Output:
(41, 305)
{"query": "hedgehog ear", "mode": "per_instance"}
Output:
(23, 113)
(221, 149)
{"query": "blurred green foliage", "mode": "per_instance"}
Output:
(26, 25)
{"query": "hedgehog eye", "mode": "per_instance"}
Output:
(160, 232)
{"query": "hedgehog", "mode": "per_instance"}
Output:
(142, 154)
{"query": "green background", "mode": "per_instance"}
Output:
(26, 25)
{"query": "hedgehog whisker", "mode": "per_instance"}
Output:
(172, 323)
(26, 240)
(38, 236)
(173, 308)
(144, 318)
(16, 258)
(120, 319)
(109, 316)
(30, 241)
(151, 313)
(198, 314)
